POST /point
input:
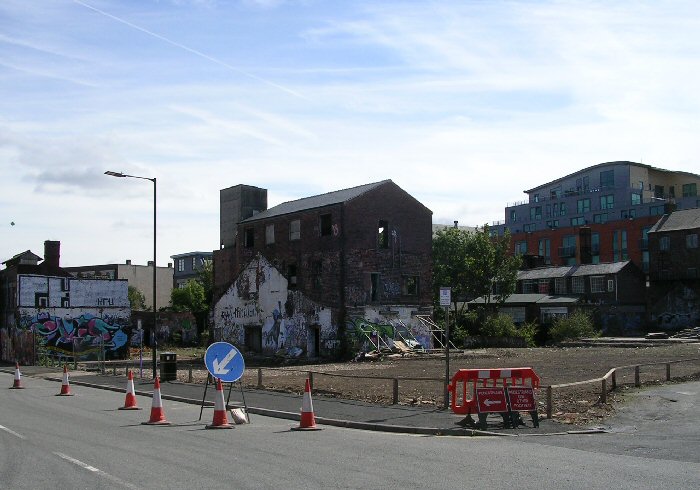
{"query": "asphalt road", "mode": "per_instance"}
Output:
(85, 442)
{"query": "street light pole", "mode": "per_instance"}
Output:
(155, 311)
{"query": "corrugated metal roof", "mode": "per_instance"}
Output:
(686, 219)
(319, 201)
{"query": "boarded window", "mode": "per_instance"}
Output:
(326, 225)
(269, 234)
(249, 238)
(294, 230)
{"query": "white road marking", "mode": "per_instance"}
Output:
(96, 470)
(10, 431)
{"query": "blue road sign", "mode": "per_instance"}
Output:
(224, 361)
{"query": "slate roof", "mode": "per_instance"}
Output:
(313, 202)
(574, 270)
(534, 298)
(26, 255)
(686, 219)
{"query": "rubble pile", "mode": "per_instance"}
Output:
(688, 333)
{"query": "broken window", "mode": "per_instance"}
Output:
(294, 230)
(374, 287)
(269, 234)
(292, 276)
(326, 225)
(383, 234)
(410, 285)
(249, 238)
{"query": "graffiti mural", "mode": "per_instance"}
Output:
(85, 335)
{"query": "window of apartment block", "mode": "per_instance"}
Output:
(194, 263)
(520, 248)
(607, 179)
(374, 286)
(656, 210)
(249, 238)
(383, 234)
(536, 213)
(562, 209)
(619, 245)
(578, 221)
(410, 286)
(513, 215)
(583, 205)
(636, 198)
(691, 241)
(294, 230)
(326, 224)
(269, 234)
(180, 265)
(607, 202)
(600, 218)
(645, 260)
(690, 190)
(292, 276)
(578, 285)
(665, 243)
(553, 224)
(545, 250)
(543, 286)
(530, 227)
(597, 284)
(537, 197)
(554, 193)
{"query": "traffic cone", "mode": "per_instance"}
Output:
(307, 421)
(157, 414)
(130, 402)
(17, 385)
(220, 418)
(65, 385)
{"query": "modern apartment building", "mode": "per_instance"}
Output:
(599, 214)
(186, 266)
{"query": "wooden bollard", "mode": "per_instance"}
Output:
(604, 391)
(189, 374)
(311, 380)
(668, 371)
(260, 383)
(614, 381)
(636, 377)
(396, 391)
(549, 402)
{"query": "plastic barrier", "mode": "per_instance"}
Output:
(461, 388)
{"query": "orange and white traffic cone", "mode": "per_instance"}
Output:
(17, 385)
(307, 421)
(65, 385)
(130, 402)
(220, 418)
(157, 414)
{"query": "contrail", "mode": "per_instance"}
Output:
(193, 51)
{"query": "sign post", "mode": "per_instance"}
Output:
(446, 301)
(225, 362)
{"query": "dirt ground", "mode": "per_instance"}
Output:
(371, 381)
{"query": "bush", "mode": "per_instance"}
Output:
(502, 326)
(575, 326)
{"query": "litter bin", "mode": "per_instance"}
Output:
(168, 366)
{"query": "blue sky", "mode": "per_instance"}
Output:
(464, 104)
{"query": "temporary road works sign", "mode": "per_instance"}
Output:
(224, 361)
(491, 400)
(522, 398)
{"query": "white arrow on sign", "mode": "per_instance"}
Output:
(488, 402)
(220, 367)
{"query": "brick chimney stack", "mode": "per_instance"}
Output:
(52, 254)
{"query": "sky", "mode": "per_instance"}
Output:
(463, 104)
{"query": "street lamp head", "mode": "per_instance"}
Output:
(114, 174)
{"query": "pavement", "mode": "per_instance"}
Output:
(426, 420)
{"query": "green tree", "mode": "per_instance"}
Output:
(474, 264)
(137, 301)
(189, 298)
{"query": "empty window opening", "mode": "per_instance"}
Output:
(326, 225)
(383, 234)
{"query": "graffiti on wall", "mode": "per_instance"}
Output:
(179, 328)
(359, 329)
(678, 309)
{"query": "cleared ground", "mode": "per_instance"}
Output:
(372, 380)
